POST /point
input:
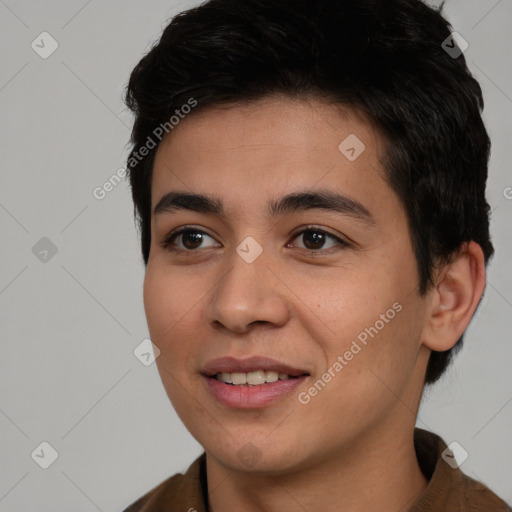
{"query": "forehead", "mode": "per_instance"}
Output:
(247, 152)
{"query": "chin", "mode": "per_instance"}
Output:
(253, 455)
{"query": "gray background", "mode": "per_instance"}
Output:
(70, 323)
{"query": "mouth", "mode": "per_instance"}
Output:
(252, 382)
(254, 378)
(252, 371)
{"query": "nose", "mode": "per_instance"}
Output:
(247, 293)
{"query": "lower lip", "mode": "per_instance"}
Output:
(250, 397)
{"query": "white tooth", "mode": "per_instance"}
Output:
(239, 378)
(226, 377)
(256, 378)
(271, 376)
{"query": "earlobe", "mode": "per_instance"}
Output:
(454, 299)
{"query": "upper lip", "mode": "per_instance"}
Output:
(250, 364)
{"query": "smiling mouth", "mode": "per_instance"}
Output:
(255, 378)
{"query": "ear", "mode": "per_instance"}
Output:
(455, 297)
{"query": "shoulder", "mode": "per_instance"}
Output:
(477, 496)
(180, 492)
(449, 489)
(156, 498)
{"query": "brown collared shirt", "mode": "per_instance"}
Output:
(448, 490)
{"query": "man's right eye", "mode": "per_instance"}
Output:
(190, 237)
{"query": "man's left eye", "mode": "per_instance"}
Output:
(314, 237)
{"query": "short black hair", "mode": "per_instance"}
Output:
(388, 60)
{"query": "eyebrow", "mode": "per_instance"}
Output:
(291, 203)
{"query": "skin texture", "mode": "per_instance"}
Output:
(351, 447)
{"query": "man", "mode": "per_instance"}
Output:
(309, 178)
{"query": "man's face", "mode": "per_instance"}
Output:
(346, 313)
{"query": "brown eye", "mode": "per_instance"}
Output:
(314, 240)
(191, 239)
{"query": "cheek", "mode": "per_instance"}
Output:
(164, 306)
(374, 324)
(174, 311)
(390, 343)
(372, 377)
(155, 303)
(167, 319)
(347, 304)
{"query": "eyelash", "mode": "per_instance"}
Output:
(168, 241)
